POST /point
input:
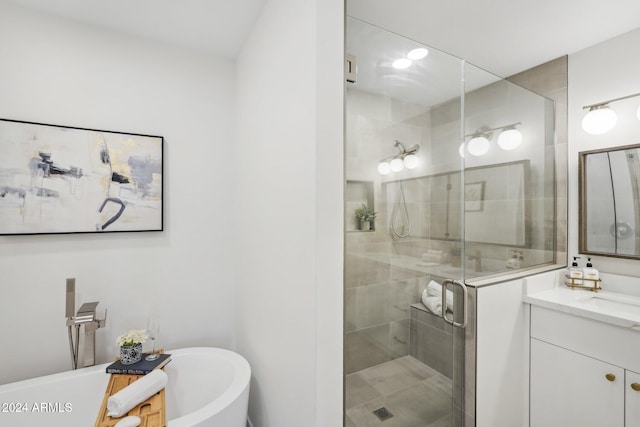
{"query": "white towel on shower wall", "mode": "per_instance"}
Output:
(136, 392)
(434, 289)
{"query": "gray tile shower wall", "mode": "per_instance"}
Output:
(377, 315)
(431, 340)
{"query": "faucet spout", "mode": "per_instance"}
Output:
(86, 313)
(85, 317)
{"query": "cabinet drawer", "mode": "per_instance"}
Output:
(615, 344)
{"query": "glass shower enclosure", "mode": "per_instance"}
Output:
(449, 183)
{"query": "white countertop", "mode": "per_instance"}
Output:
(606, 306)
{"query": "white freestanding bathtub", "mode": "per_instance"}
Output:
(208, 387)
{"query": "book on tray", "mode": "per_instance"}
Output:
(142, 367)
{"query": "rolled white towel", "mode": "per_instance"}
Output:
(433, 304)
(434, 289)
(133, 394)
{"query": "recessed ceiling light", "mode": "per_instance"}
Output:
(401, 63)
(418, 53)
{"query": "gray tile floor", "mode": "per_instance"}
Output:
(415, 394)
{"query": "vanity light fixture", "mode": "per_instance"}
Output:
(461, 149)
(396, 164)
(479, 144)
(601, 118)
(384, 168)
(406, 158)
(509, 138)
(410, 161)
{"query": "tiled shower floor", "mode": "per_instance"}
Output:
(415, 394)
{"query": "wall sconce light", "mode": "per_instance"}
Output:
(479, 144)
(601, 118)
(510, 138)
(406, 158)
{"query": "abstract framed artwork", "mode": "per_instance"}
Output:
(473, 196)
(57, 179)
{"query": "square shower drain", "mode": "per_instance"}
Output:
(383, 413)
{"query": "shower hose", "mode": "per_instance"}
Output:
(400, 208)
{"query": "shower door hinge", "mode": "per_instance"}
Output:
(350, 68)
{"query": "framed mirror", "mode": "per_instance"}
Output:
(609, 213)
(496, 204)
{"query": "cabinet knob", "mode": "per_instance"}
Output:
(635, 386)
(611, 377)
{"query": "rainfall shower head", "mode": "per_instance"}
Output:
(406, 158)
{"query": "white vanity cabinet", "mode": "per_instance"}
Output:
(570, 389)
(583, 372)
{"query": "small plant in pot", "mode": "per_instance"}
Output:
(130, 344)
(365, 216)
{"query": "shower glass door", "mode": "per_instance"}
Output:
(405, 321)
(450, 181)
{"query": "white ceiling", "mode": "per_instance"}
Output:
(502, 36)
(215, 26)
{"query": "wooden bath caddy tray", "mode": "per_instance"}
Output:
(151, 411)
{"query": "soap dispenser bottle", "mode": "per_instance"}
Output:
(575, 272)
(591, 273)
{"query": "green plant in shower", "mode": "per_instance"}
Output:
(365, 213)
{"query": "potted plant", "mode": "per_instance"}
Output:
(365, 216)
(130, 344)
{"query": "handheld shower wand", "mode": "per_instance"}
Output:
(69, 313)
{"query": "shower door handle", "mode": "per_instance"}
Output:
(445, 286)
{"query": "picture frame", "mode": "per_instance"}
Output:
(59, 179)
(474, 196)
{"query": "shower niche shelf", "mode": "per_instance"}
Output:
(358, 193)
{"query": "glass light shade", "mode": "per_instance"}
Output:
(396, 165)
(384, 168)
(599, 120)
(418, 53)
(478, 146)
(510, 139)
(461, 150)
(401, 63)
(411, 161)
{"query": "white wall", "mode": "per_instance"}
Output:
(288, 209)
(605, 71)
(59, 72)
